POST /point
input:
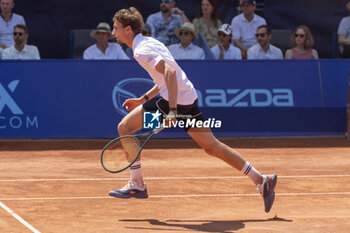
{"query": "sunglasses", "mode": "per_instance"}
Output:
(262, 35)
(300, 35)
(184, 33)
(222, 34)
(18, 33)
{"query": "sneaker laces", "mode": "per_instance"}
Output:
(260, 187)
(132, 185)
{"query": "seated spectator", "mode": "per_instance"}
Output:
(146, 30)
(344, 35)
(303, 41)
(104, 50)
(264, 50)
(244, 27)
(186, 49)
(164, 23)
(20, 50)
(207, 21)
(8, 20)
(224, 49)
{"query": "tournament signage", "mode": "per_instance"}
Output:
(83, 99)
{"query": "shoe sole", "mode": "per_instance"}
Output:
(271, 197)
(126, 196)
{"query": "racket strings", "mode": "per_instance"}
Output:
(120, 153)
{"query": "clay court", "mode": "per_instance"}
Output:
(60, 186)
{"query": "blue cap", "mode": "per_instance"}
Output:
(253, 2)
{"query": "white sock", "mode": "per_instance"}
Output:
(251, 172)
(136, 173)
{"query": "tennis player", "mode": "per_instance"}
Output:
(177, 97)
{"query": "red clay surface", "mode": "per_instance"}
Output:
(59, 186)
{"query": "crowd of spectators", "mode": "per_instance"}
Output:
(247, 37)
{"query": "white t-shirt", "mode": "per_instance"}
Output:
(190, 52)
(244, 30)
(233, 53)
(148, 52)
(29, 52)
(6, 28)
(113, 51)
(256, 52)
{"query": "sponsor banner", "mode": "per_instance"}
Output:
(83, 99)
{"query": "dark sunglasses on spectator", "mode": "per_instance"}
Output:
(165, 1)
(222, 34)
(184, 33)
(260, 35)
(18, 33)
(300, 35)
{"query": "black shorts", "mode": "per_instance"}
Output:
(184, 112)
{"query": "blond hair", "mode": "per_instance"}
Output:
(309, 40)
(130, 17)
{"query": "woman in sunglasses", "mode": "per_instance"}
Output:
(303, 41)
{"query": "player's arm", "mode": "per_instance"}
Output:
(131, 104)
(171, 82)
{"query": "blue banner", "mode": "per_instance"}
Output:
(51, 99)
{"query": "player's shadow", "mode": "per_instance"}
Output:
(200, 225)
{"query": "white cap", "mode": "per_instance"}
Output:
(226, 28)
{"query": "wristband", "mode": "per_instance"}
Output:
(146, 97)
(171, 109)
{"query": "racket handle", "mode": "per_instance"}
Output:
(155, 131)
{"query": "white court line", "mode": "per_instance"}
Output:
(21, 220)
(170, 178)
(173, 196)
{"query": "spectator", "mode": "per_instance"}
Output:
(244, 26)
(224, 49)
(164, 23)
(344, 35)
(207, 21)
(264, 50)
(146, 30)
(104, 50)
(303, 42)
(20, 50)
(186, 49)
(8, 21)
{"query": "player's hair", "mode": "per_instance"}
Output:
(309, 40)
(130, 17)
(22, 26)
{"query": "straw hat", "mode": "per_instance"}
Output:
(101, 27)
(187, 26)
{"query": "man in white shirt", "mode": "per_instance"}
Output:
(8, 21)
(224, 48)
(177, 98)
(244, 26)
(104, 50)
(186, 49)
(20, 50)
(164, 22)
(344, 35)
(264, 50)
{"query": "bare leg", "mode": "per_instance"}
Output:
(128, 126)
(205, 139)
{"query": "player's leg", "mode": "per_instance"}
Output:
(135, 187)
(265, 184)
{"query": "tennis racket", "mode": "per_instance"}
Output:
(120, 153)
